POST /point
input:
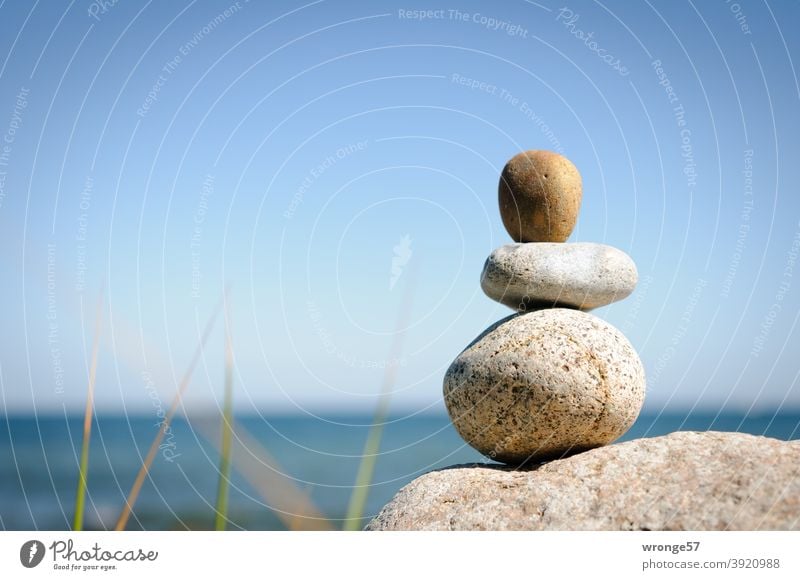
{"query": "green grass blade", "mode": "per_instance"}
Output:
(366, 469)
(83, 469)
(221, 516)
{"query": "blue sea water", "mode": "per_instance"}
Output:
(318, 456)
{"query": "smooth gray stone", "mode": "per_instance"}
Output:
(681, 481)
(536, 274)
(544, 384)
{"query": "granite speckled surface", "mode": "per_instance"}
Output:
(682, 481)
(579, 275)
(543, 384)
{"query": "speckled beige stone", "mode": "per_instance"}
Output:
(682, 481)
(580, 275)
(540, 196)
(544, 384)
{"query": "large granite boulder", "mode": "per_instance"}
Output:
(682, 481)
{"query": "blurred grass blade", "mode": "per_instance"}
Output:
(221, 516)
(366, 468)
(130, 501)
(295, 521)
(83, 470)
(261, 470)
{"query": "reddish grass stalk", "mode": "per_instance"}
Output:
(83, 470)
(130, 501)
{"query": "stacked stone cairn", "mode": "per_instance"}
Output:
(550, 380)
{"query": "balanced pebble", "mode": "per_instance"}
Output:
(579, 275)
(543, 385)
(540, 196)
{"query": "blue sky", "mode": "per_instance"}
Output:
(157, 152)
